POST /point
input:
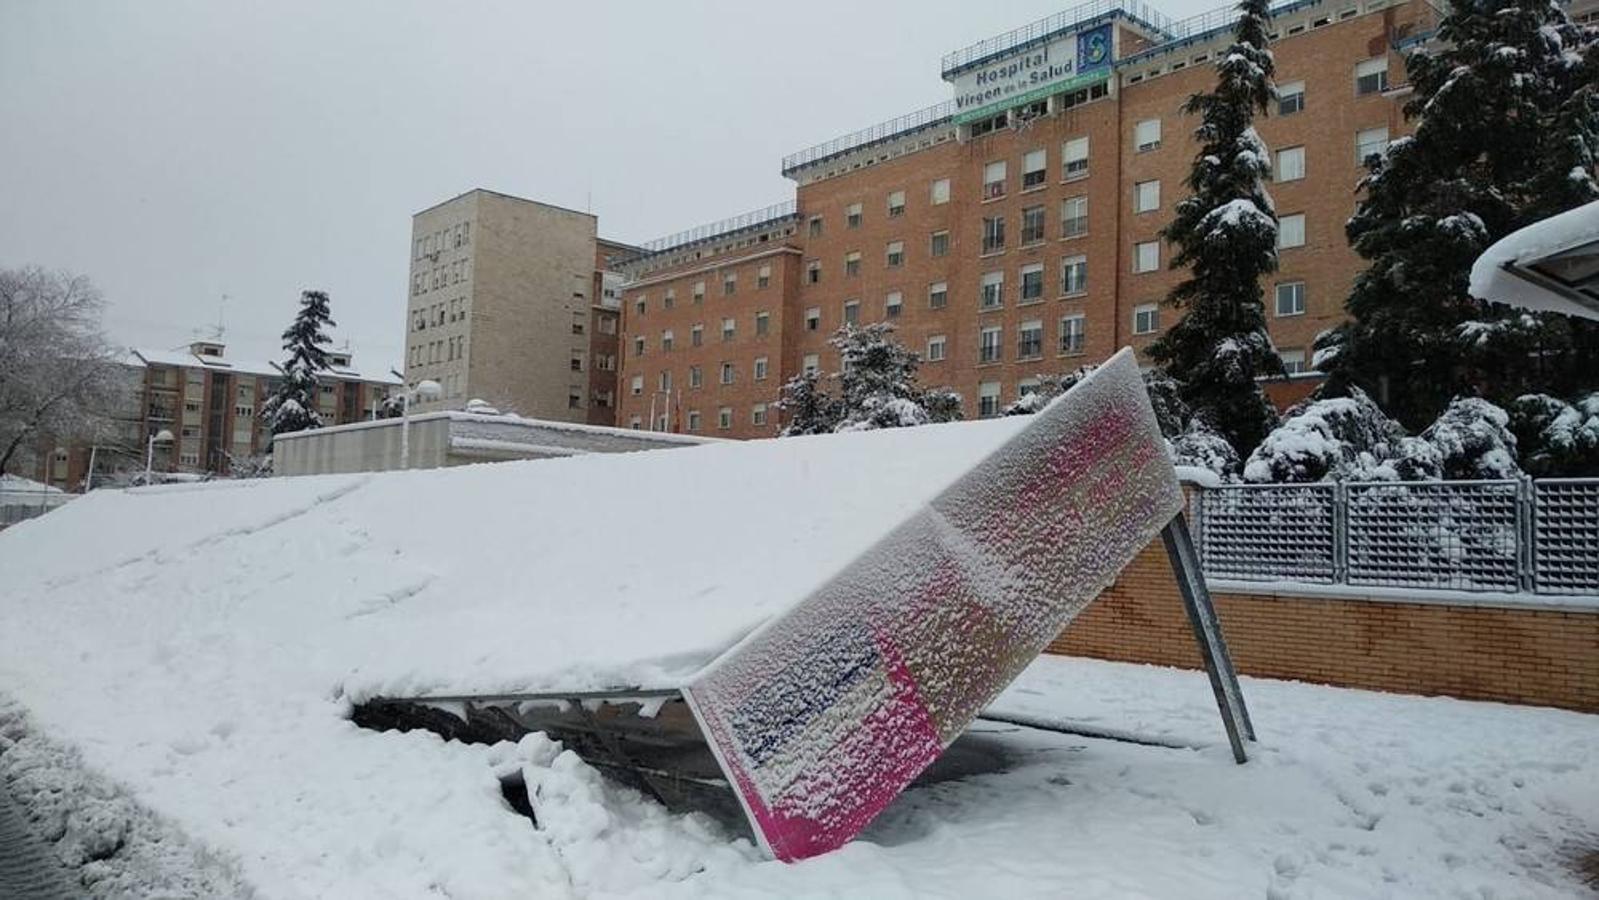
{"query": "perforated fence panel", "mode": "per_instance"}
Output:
(1459, 535)
(1268, 532)
(1565, 550)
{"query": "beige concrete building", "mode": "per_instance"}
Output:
(507, 305)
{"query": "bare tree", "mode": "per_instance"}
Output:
(56, 368)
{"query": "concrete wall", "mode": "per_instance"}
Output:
(374, 448)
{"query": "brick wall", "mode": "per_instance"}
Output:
(1517, 655)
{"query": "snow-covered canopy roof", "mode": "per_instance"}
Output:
(1552, 265)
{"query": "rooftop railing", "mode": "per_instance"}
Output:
(967, 57)
(777, 211)
(936, 114)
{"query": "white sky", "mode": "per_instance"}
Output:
(179, 151)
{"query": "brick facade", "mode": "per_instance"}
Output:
(859, 271)
(1545, 657)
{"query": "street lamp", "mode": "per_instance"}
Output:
(426, 389)
(164, 437)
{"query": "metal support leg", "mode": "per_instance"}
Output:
(1207, 633)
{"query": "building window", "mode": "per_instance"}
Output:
(852, 263)
(696, 377)
(989, 348)
(640, 305)
(1074, 275)
(1371, 76)
(893, 304)
(1293, 361)
(727, 373)
(1146, 318)
(937, 295)
(1074, 159)
(729, 329)
(763, 323)
(665, 380)
(729, 284)
(1071, 335)
(1291, 298)
(1032, 225)
(607, 324)
(936, 347)
(896, 204)
(763, 277)
(1291, 231)
(670, 300)
(1146, 256)
(1074, 217)
(988, 399)
(1032, 282)
(993, 234)
(993, 290)
(666, 340)
(1290, 164)
(724, 418)
(938, 244)
(1146, 196)
(578, 325)
(638, 345)
(994, 180)
(852, 215)
(896, 254)
(813, 272)
(699, 292)
(758, 414)
(1034, 169)
(1030, 340)
(813, 318)
(635, 423)
(816, 226)
(693, 420)
(1290, 97)
(576, 363)
(1370, 142)
(761, 366)
(852, 312)
(636, 386)
(940, 192)
(574, 400)
(811, 364)
(1146, 135)
(696, 335)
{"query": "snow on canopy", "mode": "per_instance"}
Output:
(207, 651)
(1557, 234)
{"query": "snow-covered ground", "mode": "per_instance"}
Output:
(177, 667)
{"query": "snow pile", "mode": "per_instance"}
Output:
(118, 848)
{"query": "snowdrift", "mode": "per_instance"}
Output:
(206, 641)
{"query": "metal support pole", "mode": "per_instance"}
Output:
(1207, 633)
(405, 429)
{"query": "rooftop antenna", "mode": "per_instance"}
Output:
(221, 328)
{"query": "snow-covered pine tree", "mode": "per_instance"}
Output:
(1507, 131)
(1226, 236)
(877, 381)
(294, 406)
(808, 407)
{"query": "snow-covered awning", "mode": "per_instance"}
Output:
(1550, 266)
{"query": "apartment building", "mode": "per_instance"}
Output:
(1013, 230)
(509, 303)
(209, 402)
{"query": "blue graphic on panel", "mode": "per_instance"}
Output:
(1093, 48)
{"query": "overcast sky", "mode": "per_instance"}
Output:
(179, 151)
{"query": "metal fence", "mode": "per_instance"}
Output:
(1512, 536)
